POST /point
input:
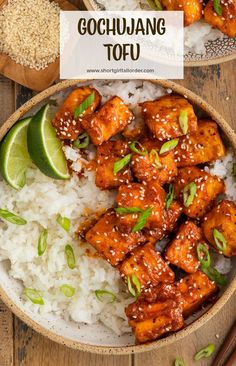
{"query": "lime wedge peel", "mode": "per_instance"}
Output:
(14, 156)
(44, 147)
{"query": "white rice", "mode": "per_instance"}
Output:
(43, 198)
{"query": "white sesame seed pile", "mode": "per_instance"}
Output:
(29, 32)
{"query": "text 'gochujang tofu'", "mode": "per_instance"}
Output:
(182, 251)
(197, 190)
(192, 9)
(219, 227)
(203, 146)
(164, 117)
(109, 241)
(67, 123)
(195, 289)
(148, 266)
(226, 22)
(109, 120)
(107, 154)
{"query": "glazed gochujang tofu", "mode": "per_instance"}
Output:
(107, 154)
(67, 125)
(182, 251)
(219, 227)
(203, 146)
(223, 18)
(109, 241)
(197, 190)
(192, 9)
(169, 117)
(150, 196)
(195, 289)
(109, 120)
(148, 266)
(151, 320)
(152, 166)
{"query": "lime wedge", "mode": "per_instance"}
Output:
(14, 156)
(44, 147)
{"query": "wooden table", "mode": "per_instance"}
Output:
(21, 346)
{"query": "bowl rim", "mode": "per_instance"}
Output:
(121, 350)
(212, 61)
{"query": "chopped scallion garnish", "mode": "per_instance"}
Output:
(120, 164)
(179, 362)
(203, 255)
(105, 296)
(219, 240)
(234, 170)
(168, 146)
(67, 290)
(128, 210)
(42, 242)
(64, 222)
(84, 105)
(218, 7)
(134, 285)
(214, 275)
(82, 141)
(14, 219)
(205, 352)
(142, 220)
(33, 296)
(70, 257)
(155, 160)
(155, 4)
(183, 121)
(138, 148)
(170, 196)
(189, 193)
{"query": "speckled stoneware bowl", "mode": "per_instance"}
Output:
(97, 338)
(216, 51)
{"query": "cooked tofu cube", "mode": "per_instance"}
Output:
(109, 120)
(142, 196)
(182, 251)
(226, 22)
(192, 9)
(148, 266)
(195, 289)
(203, 146)
(162, 116)
(208, 187)
(109, 241)
(107, 154)
(152, 166)
(67, 126)
(223, 219)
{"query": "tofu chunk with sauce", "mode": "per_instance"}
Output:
(195, 289)
(207, 188)
(141, 196)
(152, 166)
(182, 251)
(107, 154)
(108, 121)
(203, 146)
(162, 116)
(226, 22)
(192, 9)
(68, 127)
(148, 266)
(223, 219)
(109, 241)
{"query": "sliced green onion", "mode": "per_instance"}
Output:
(179, 362)
(219, 240)
(215, 276)
(218, 7)
(127, 210)
(84, 105)
(234, 170)
(120, 164)
(67, 290)
(143, 217)
(64, 222)
(155, 4)
(141, 150)
(168, 146)
(42, 242)
(134, 285)
(33, 296)
(205, 352)
(203, 255)
(14, 219)
(189, 193)
(70, 257)
(82, 141)
(153, 155)
(170, 196)
(104, 295)
(183, 121)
